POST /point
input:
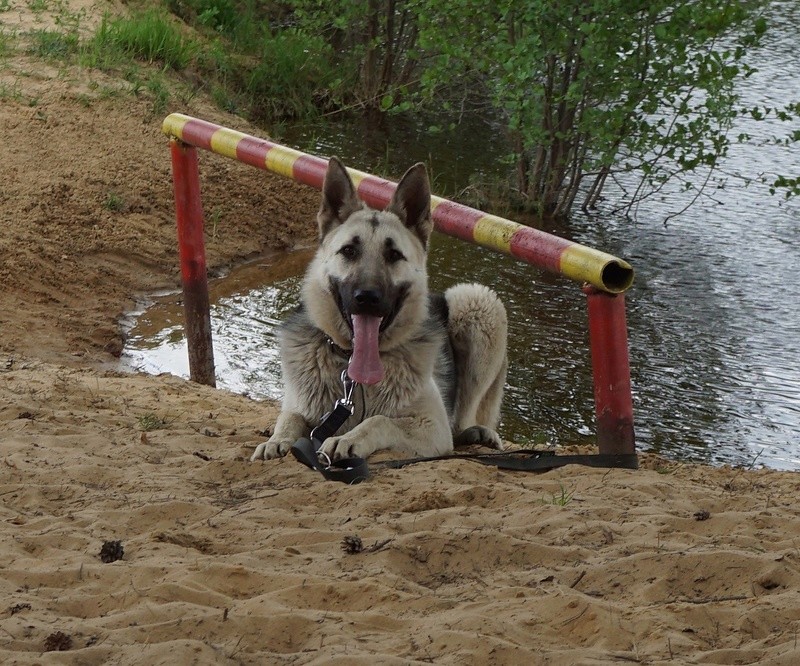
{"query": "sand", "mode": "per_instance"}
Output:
(220, 561)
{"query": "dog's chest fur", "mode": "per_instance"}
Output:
(312, 369)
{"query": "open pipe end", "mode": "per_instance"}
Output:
(617, 276)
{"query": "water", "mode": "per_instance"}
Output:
(713, 317)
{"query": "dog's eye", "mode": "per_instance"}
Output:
(349, 252)
(393, 255)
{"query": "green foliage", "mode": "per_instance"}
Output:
(149, 422)
(114, 202)
(7, 40)
(375, 46)
(790, 186)
(159, 92)
(241, 22)
(11, 92)
(588, 89)
(258, 70)
(292, 73)
(220, 15)
(66, 18)
(37, 6)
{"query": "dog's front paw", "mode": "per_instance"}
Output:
(479, 434)
(271, 449)
(337, 448)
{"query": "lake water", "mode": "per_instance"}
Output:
(713, 316)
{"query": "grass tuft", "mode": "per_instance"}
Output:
(561, 498)
(149, 422)
(150, 35)
(114, 202)
(53, 45)
(7, 40)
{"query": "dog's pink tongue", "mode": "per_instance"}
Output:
(365, 364)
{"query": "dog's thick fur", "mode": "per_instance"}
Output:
(444, 356)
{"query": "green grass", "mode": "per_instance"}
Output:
(53, 45)
(11, 92)
(114, 202)
(151, 36)
(148, 422)
(561, 498)
(7, 43)
(291, 68)
(240, 22)
(38, 6)
(234, 55)
(159, 90)
(214, 218)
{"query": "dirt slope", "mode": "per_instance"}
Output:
(86, 211)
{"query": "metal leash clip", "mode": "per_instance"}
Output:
(348, 385)
(332, 421)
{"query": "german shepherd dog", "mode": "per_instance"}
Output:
(429, 369)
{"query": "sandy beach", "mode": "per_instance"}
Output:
(133, 529)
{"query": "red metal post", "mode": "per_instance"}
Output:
(191, 245)
(613, 402)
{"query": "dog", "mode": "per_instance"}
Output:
(429, 369)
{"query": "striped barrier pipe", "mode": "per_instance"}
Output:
(607, 276)
(551, 253)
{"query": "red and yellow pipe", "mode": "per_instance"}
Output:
(551, 253)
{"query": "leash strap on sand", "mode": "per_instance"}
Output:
(530, 460)
(355, 470)
(332, 421)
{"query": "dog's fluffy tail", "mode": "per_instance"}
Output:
(478, 328)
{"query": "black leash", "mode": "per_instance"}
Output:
(355, 470)
(529, 460)
(307, 450)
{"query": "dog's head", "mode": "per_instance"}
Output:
(368, 282)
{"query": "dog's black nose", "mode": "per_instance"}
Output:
(367, 298)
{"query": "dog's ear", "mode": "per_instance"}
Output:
(412, 202)
(339, 199)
